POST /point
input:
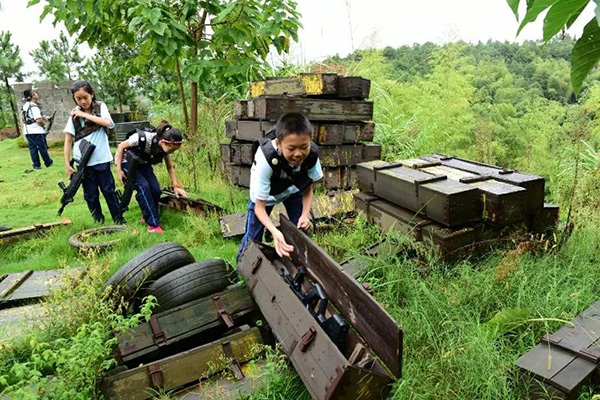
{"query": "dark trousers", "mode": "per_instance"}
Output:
(37, 144)
(255, 229)
(100, 177)
(147, 192)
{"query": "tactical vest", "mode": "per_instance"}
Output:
(284, 175)
(88, 127)
(147, 149)
(26, 118)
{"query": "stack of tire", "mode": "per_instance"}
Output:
(169, 272)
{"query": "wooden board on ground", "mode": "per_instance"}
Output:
(313, 85)
(329, 133)
(355, 266)
(566, 360)
(17, 322)
(198, 322)
(30, 285)
(325, 371)
(443, 200)
(271, 108)
(184, 368)
(197, 206)
(337, 204)
(13, 235)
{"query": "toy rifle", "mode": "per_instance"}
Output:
(50, 123)
(335, 326)
(125, 196)
(86, 149)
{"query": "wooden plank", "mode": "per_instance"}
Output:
(12, 282)
(545, 220)
(40, 284)
(332, 205)
(198, 320)
(185, 367)
(371, 321)
(532, 183)
(13, 235)
(313, 85)
(197, 206)
(314, 109)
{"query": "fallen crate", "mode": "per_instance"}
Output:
(197, 206)
(313, 85)
(186, 367)
(13, 235)
(197, 321)
(337, 204)
(27, 286)
(369, 362)
(566, 360)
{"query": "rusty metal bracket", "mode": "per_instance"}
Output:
(235, 365)
(156, 376)
(157, 332)
(590, 354)
(223, 312)
(307, 339)
(255, 265)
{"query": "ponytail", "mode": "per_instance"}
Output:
(166, 132)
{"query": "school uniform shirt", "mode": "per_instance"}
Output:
(33, 111)
(99, 138)
(260, 179)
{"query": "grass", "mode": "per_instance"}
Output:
(451, 350)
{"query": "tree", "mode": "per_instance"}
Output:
(10, 67)
(201, 40)
(560, 16)
(111, 70)
(57, 59)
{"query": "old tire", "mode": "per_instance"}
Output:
(147, 267)
(188, 283)
(78, 239)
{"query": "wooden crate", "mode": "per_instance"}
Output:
(184, 368)
(271, 108)
(197, 322)
(197, 206)
(443, 200)
(545, 220)
(566, 360)
(330, 156)
(331, 133)
(239, 175)
(313, 85)
(532, 183)
(325, 370)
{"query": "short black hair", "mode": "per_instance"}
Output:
(28, 94)
(292, 123)
(86, 86)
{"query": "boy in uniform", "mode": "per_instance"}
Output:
(283, 171)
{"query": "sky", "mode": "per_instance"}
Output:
(340, 26)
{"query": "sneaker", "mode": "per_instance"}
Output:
(155, 229)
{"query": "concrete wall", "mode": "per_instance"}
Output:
(52, 97)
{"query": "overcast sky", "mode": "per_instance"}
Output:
(339, 26)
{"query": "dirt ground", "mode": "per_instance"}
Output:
(8, 133)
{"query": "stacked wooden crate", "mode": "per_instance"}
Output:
(451, 204)
(334, 104)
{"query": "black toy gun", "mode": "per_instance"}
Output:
(125, 196)
(50, 123)
(86, 149)
(315, 300)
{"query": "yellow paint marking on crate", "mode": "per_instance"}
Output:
(257, 89)
(313, 84)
